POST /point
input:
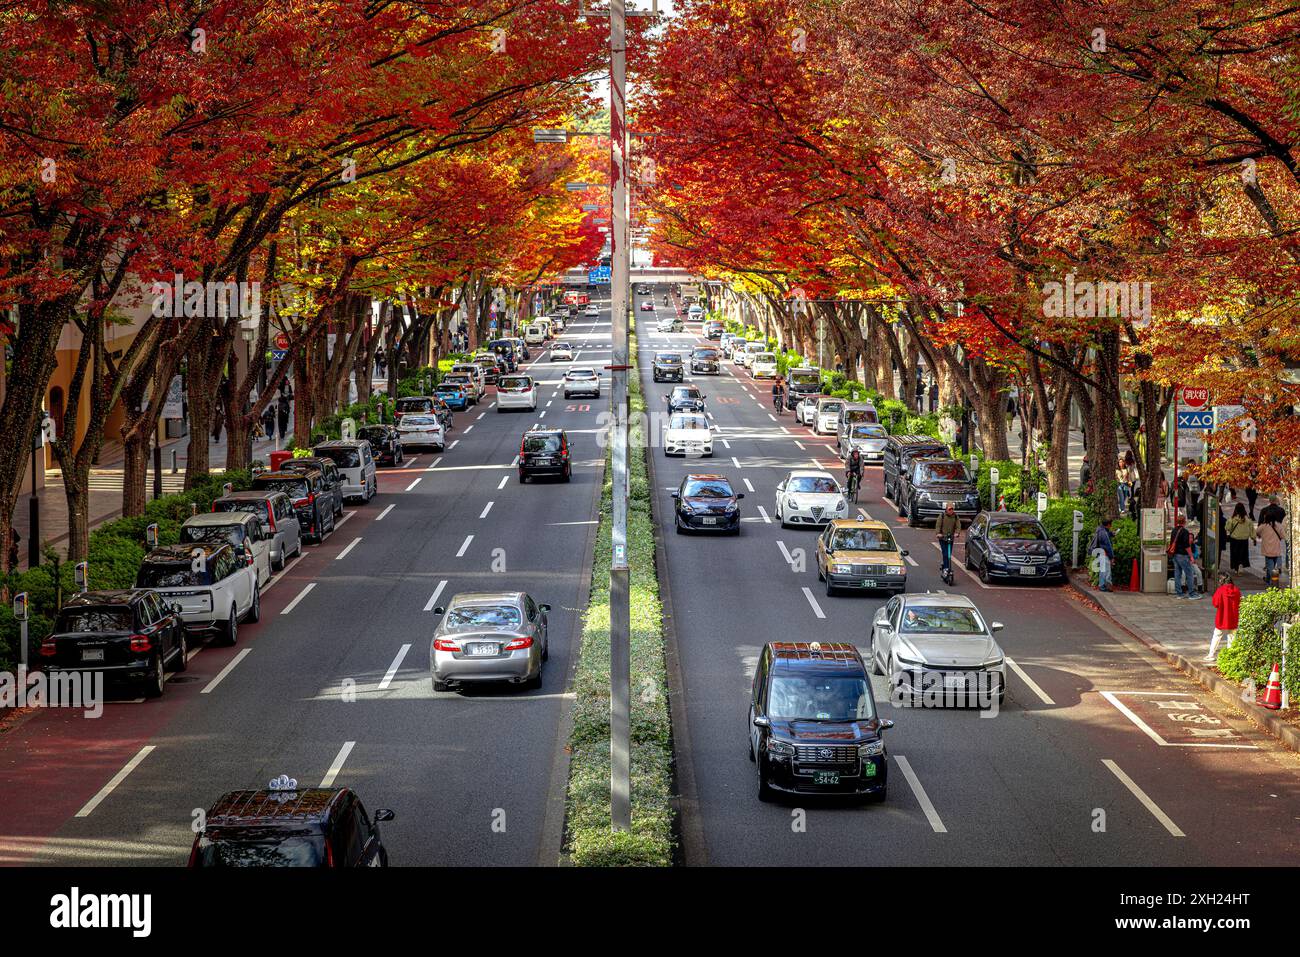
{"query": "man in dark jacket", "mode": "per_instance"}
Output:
(1272, 512)
(1180, 547)
(946, 528)
(1103, 548)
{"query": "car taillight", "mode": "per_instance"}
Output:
(521, 448)
(519, 643)
(49, 648)
(141, 643)
(304, 502)
(445, 644)
(270, 512)
(194, 853)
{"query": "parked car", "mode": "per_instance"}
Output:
(331, 478)
(489, 637)
(517, 392)
(356, 466)
(826, 421)
(130, 636)
(544, 451)
(385, 442)
(934, 640)
(422, 431)
(212, 586)
(287, 826)
(1012, 545)
(275, 511)
(932, 485)
(860, 554)
(241, 530)
(801, 383)
(707, 503)
(306, 489)
(805, 412)
(413, 404)
(813, 723)
(453, 393)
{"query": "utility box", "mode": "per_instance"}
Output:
(1154, 560)
(279, 457)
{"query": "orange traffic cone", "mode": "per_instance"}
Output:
(1133, 578)
(1273, 693)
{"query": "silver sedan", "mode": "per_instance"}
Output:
(489, 637)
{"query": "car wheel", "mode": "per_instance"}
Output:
(546, 649)
(984, 571)
(751, 751)
(232, 628)
(830, 589)
(875, 661)
(157, 680)
(970, 565)
(440, 685)
(902, 507)
(912, 520)
(765, 793)
(255, 612)
(278, 563)
(535, 682)
(523, 477)
(183, 653)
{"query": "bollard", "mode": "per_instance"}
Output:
(174, 467)
(993, 489)
(20, 613)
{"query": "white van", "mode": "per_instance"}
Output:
(535, 334)
(764, 365)
(356, 465)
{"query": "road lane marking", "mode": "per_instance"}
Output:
(415, 483)
(300, 596)
(747, 485)
(434, 464)
(1141, 795)
(283, 571)
(407, 463)
(486, 508)
(380, 516)
(514, 462)
(800, 444)
(931, 815)
(735, 461)
(766, 518)
(433, 599)
(337, 764)
(480, 415)
(221, 675)
(468, 429)
(962, 565)
(453, 445)
(392, 669)
(117, 779)
(346, 516)
(351, 545)
(464, 546)
(771, 416)
(504, 480)
(807, 593)
(1033, 685)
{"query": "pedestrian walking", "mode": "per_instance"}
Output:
(1122, 490)
(1162, 491)
(1227, 608)
(1271, 545)
(1273, 511)
(282, 414)
(1180, 548)
(1103, 550)
(268, 420)
(1085, 473)
(1251, 496)
(934, 396)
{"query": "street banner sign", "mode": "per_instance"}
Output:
(1195, 419)
(174, 404)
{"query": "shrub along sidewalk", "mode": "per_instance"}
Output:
(589, 839)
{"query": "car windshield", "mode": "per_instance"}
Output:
(942, 620)
(835, 407)
(252, 506)
(516, 382)
(686, 394)
(414, 405)
(581, 374)
(765, 357)
(254, 847)
(484, 616)
(373, 434)
(820, 698)
(804, 380)
(168, 575)
(869, 432)
(294, 488)
(448, 386)
(421, 421)
(861, 415)
(687, 422)
(342, 457)
(823, 484)
(669, 358)
(706, 353)
(1027, 531)
(234, 534)
(863, 540)
(943, 472)
(710, 488)
(94, 619)
(541, 443)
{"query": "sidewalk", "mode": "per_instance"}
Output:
(106, 479)
(1184, 628)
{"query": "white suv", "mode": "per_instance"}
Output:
(213, 588)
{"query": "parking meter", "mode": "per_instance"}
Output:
(151, 535)
(1042, 504)
(993, 489)
(1076, 528)
(20, 615)
(79, 575)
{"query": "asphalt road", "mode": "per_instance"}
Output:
(1060, 776)
(333, 684)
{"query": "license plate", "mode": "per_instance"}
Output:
(957, 682)
(869, 769)
(826, 777)
(92, 654)
(481, 649)
(1028, 570)
(709, 521)
(868, 583)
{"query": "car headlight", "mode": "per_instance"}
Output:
(779, 747)
(909, 661)
(841, 505)
(894, 570)
(731, 507)
(994, 662)
(997, 556)
(841, 569)
(871, 749)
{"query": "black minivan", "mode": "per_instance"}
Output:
(813, 723)
(544, 452)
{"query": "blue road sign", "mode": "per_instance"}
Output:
(599, 274)
(278, 354)
(1200, 419)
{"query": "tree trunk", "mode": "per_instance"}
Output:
(1058, 450)
(76, 494)
(135, 448)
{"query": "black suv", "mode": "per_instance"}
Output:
(544, 452)
(131, 636)
(801, 383)
(306, 489)
(707, 503)
(385, 441)
(897, 458)
(813, 725)
(282, 826)
(704, 360)
(331, 478)
(931, 486)
(1012, 545)
(667, 367)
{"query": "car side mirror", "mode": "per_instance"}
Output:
(886, 724)
(383, 814)
(677, 494)
(903, 553)
(544, 607)
(439, 610)
(996, 626)
(740, 495)
(761, 722)
(781, 487)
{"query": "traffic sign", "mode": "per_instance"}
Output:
(1195, 419)
(1194, 397)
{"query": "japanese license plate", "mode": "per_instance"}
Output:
(92, 654)
(481, 648)
(955, 681)
(1028, 570)
(826, 777)
(709, 521)
(868, 583)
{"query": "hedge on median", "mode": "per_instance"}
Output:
(589, 838)
(1258, 644)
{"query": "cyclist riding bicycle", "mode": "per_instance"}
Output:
(947, 527)
(778, 395)
(853, 473)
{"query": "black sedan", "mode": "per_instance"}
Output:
(685, 398)
(131, 636)
(385, 441)
(1012, 545)
(707, 503)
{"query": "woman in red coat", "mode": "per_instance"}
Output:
(1227, 606)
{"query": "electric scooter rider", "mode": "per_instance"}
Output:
(853, 473)
(947, 527)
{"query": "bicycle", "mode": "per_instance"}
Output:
(778, 402)
(854, 482)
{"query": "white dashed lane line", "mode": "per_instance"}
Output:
(392, 669)
(504, 480)
(748, 485)
(464, 546)
(351, 545)
(931, 815)
(117, 779)
(762, 511)
(380, 516)
(807, 593)
(337, 764)
(434, 464)
(1033, 685)
(486, 508)
(1141, 795)
(433, 599)
(415, 483)
(221, 675)
(297, 598)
